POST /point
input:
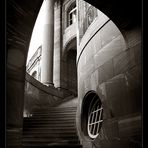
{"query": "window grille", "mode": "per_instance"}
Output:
(95, 117)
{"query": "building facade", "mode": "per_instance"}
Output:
(34, 65)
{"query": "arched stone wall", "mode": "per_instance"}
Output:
(109, 62)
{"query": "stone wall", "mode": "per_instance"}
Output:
(39, 96)
(69, 34)
(109, 63)
(86, 15)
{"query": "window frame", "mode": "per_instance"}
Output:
(88, 101)
(72, 10)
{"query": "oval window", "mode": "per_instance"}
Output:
(95, 117)
(91, 115)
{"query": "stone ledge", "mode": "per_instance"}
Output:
(50, 90)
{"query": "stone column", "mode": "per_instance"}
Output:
(57, 44)
(48, 44)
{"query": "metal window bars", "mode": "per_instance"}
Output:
(95, 117)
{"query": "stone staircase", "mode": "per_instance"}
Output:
(54, 127)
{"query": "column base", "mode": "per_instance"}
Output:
(49, 84)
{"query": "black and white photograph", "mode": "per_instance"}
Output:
(73, 74)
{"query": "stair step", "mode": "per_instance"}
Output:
(65, 117)
(50, 124)
(49, 136)
(53, 114)
(55, 111)
(53, 145)
(52, 134)
(56, 120)
(53, 127)
(73, 133)
(47, 127)
(65, 128)
(48, 139)
(51, 140)
(49, 118)
(49, 131)
(41, 124)
(61, 110)
(57, 108)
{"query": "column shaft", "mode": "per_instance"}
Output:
(57, 44)
(48, 44)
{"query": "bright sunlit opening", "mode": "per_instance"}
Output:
(36, 38)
